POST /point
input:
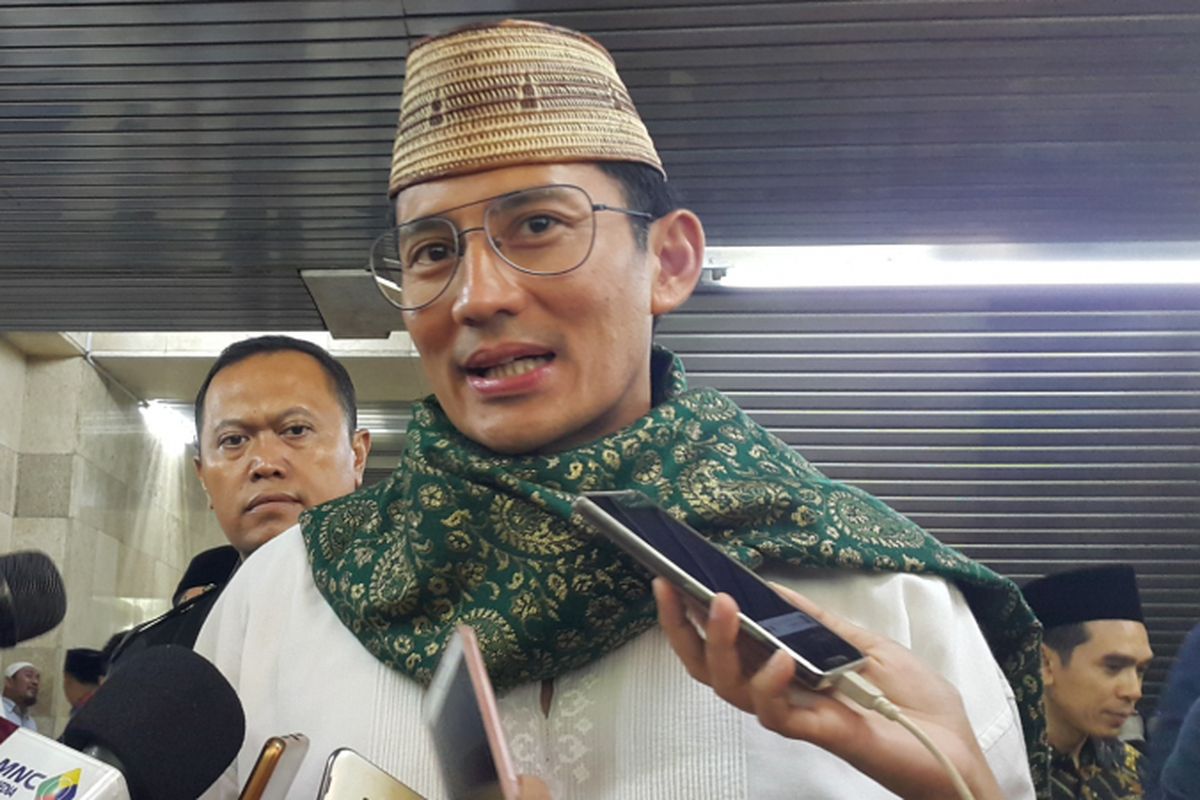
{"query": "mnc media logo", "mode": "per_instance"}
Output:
(62, 787)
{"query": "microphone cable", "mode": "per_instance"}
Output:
(872, 698)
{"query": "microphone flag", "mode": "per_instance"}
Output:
(33, 766)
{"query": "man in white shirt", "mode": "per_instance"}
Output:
(21, 682)
(537, 242)
(276, 433)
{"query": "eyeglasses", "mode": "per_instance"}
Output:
(547, 230)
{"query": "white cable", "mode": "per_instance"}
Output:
(872, 698)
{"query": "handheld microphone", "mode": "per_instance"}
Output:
(167, 720)
(32, 598)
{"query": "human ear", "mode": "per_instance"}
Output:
(360, 442)
(676, 244)
(196, 465)
(1049, 665)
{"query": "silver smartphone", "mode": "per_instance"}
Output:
(350, 776)
(676, 552)
(460, 710)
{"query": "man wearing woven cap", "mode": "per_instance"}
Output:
(21, 682)
(1095, 654)
(536, 242)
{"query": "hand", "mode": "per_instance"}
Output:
(874, 745)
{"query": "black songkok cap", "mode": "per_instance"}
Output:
(211, 566)
(1083, 595)
(84, 664)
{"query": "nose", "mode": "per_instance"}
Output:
(485, 285)
(267, 459)
(1130, 687)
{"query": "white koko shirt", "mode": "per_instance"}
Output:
(631, 725)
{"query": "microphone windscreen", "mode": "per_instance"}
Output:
(32, 598)
(169, 717)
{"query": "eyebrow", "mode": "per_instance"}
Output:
(1121, 660)
(423, 225)
(544, 189)
(235, 422)
(526, 197)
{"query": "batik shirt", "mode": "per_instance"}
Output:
(1108, 769)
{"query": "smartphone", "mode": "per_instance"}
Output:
(276, 768)
(673, 550)
(460, 710)
(350, 776)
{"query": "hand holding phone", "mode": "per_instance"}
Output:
(460, 710)
(691, 563)
(872, 744)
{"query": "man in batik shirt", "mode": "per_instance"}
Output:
(1095, 654)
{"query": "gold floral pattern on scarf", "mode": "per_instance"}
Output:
(461, 534)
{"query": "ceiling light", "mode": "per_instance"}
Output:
(957, 265)
(170, 428)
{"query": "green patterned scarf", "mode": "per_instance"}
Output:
(459, 534)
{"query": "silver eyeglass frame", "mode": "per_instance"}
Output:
(460, 244)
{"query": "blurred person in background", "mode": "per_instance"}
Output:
(1173, 767)
(276, 433)
(1094, 657)
(21, 683)
(83, 672)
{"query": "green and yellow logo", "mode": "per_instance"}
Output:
(62, 787)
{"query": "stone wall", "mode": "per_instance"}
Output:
(82, 479)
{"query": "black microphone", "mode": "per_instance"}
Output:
(32, 598)
(168, 720)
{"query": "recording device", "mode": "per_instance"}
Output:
(670, 549)
(33, 766)
(32, 598)
(460, 710)
(276, 768)
(349, 776)
(167, 720)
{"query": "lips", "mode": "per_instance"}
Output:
(1118, 717)
(512, 369)
(507, 368)
(265, 499)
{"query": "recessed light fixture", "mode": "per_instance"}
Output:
(955, 265)
(170, 428)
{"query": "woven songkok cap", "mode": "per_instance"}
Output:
(1083, 595)
(508, 93)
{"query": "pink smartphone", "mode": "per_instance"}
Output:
(460, 710)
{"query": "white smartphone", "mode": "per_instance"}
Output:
(460, 710)
(350, 776)
(276, 768)
(675, 551)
